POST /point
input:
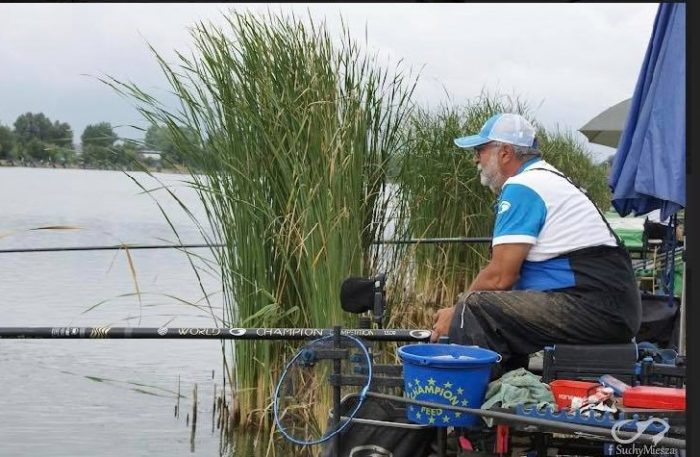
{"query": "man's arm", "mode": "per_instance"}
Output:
(501, 273)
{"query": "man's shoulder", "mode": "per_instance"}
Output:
(538, 175)
(541, 166)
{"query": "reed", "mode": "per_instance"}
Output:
(292, 140)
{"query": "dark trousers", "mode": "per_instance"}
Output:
(518, 323)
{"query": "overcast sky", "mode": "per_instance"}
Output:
(568, 61)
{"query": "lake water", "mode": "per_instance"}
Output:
(102, 397)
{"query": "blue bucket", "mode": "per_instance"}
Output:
(450, 374)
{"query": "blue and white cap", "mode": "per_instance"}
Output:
(505, 127)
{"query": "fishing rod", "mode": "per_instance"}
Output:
(107, 248)
(219, 333)
(195, 246)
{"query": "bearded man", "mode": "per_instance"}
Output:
(558, 273)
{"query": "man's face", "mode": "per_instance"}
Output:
(486, 157)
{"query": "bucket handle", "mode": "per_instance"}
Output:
(426, 361)
(498, 360)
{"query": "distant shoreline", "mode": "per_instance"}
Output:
(5, 164)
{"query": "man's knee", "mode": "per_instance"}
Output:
(475, 302)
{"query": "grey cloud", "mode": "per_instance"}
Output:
(570, 61)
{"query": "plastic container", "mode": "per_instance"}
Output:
(450, 374)
(565, 390)
(653, 397)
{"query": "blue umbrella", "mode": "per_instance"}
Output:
(648, 171)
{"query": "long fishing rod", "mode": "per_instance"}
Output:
(223, 333)
(108, 248)
(195, 246)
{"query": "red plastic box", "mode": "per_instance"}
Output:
(564, 390)
(653, 397)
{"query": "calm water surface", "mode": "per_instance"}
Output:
(102, 397)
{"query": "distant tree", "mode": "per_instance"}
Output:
(37, 138)
(61, 135)
(98, 135)
(97, 142)
(160, 138)
(29, 126)
(129, 152)
(34, 149)
(97, 156)
(7, 142)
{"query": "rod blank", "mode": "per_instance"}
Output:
(208, 333)
(195, 246)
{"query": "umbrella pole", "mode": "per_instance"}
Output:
(681, 332)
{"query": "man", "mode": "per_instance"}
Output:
(557, 273)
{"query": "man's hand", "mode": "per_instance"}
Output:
(441, 323)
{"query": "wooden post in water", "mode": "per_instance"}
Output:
(213, 407)
(194, 417)
(177, 406)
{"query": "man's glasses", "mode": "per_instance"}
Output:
(481, 148)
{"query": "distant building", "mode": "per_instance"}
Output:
(151, 154)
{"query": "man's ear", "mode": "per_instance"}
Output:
(507, 148)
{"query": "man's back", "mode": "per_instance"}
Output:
(568, 221)
(573, 248)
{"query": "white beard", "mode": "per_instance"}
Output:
(492, 182)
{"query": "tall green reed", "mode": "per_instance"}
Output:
(293, 140)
